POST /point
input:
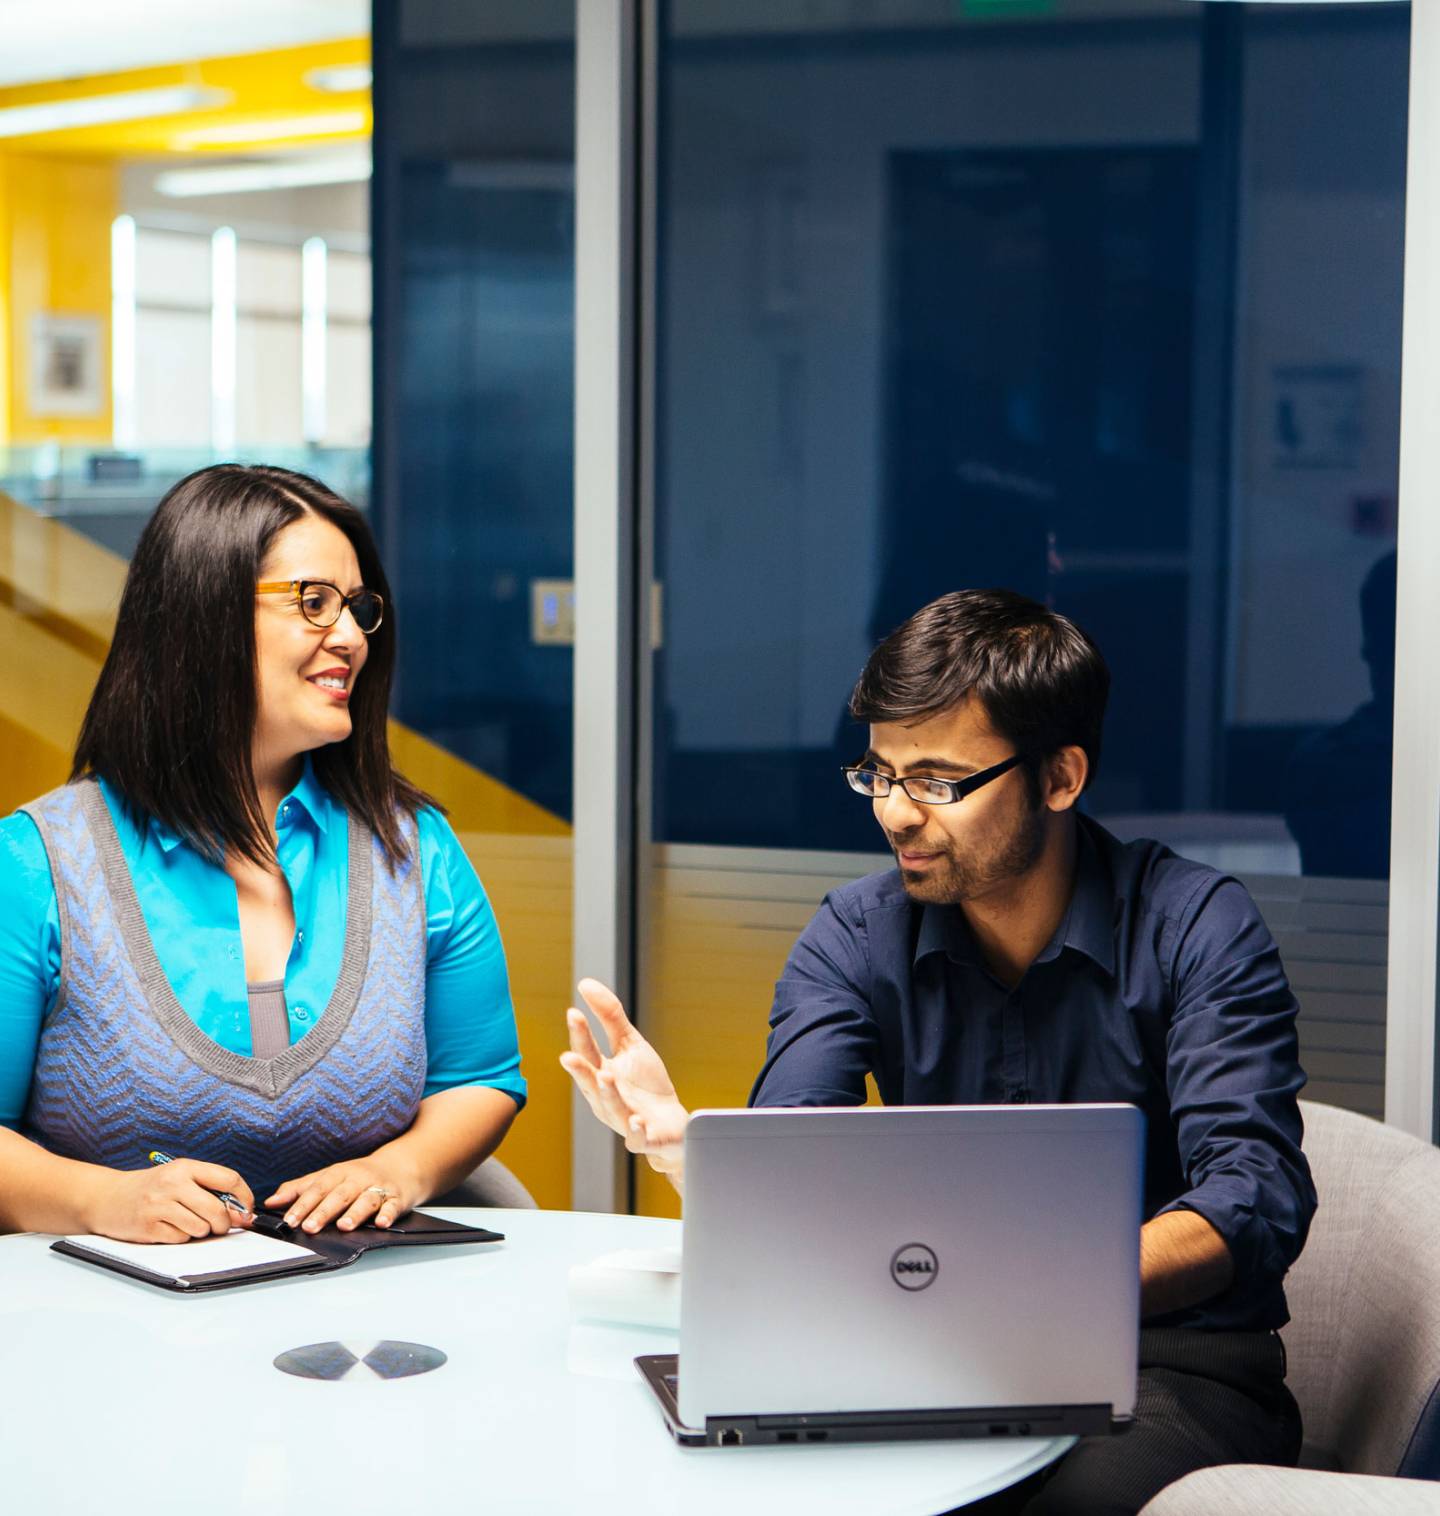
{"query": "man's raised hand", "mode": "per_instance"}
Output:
(627, 1088)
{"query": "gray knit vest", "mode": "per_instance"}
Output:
(122, 1069)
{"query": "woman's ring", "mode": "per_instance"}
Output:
(378, 1189)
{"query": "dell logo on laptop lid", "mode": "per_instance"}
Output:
(914, 1266)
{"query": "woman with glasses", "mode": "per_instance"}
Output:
(242, 960)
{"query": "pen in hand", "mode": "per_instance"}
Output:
(225, 1195)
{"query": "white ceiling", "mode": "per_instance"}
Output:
(62, 39)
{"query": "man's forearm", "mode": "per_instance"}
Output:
(1183, 1261)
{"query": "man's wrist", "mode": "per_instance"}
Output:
(669, 1161)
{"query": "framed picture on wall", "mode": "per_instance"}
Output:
(65, 365)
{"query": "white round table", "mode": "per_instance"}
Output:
(119, 1398)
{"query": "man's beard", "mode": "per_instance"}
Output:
(988, 863)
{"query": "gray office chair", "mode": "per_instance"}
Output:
(1363, 1342)
(490, 1184)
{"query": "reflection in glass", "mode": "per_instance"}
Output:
(1099, 301)
(940, 305)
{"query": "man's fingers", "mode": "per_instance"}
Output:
(582, 1039)
(617, 1109)
(583, 1073)
(598, 1088)
(663, 1117)
(608, 1010)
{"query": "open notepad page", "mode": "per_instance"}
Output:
(188, 1261)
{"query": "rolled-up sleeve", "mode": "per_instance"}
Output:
(470, 1031)
(822, 1039)
(1233, 1072)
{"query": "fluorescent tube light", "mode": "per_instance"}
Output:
(99, 110)
(223, 339)
(278, 173)
(340, 78)
(312, 338)
(316, 125)
(122, 330)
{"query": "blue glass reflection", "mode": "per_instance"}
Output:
(475, 260)
(1106, 313)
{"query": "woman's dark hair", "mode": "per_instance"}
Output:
(171, 721)
(1040, 679)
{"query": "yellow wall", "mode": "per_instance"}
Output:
(58, 595)
(55, 218)
(59, 191)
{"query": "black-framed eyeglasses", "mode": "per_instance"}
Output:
(923, 789)
(322, 604)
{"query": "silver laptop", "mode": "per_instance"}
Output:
(929, 1271)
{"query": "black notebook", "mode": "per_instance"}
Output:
(267, 1250)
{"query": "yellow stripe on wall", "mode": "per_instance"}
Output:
(259, 89)
(721, 922)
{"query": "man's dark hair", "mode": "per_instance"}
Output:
(172, 719)
(1040, 679)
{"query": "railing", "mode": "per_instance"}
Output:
(107, 494)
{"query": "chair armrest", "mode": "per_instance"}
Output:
(1242, 1489)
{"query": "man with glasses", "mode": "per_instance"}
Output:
(1019, 953)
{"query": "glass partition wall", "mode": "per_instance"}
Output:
(1100, 301)
(474, 236)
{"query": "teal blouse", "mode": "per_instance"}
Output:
(190, 909)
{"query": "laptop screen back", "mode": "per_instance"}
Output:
(910, 1258)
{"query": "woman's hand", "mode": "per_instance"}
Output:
(629, 1088)
(377, 1189)
(173, 1202)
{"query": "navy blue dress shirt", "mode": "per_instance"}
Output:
(1161, 987)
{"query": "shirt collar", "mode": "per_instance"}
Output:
(167, 837)
(143, 826)
(943, 929)
(309, 794)
(1088, 924)
(312, 797)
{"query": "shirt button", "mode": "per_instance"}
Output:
(302, 1013)
(300, 936)
(285, 811)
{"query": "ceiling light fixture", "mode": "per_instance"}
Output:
(279, 173)
(229, 132)
(340, 78)
(101, 110)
